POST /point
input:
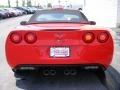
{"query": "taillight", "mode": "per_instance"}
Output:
(88, 37)
(103, 37)
(30, 37)
(15, 37)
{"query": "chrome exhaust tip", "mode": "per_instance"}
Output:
(66, 72)
(46, 72)
(53, 72)
(73, 72)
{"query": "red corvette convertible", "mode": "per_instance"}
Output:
(59, 38)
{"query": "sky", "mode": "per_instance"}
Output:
(44, 2)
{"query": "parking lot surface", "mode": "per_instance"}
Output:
(34, 81)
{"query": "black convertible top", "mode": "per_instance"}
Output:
(58, 11)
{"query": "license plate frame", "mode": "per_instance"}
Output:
(59, 52)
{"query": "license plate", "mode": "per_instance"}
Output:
(59, 51)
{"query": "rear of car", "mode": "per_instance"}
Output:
(59, 38)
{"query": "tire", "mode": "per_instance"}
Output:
(102, 77)
(101, 74)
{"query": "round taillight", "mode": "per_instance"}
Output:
(30, 37)
(103, 37)
(88, 37)
(15, 37)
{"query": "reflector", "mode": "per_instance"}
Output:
(30, 37)
(16, 37)
(103, 37)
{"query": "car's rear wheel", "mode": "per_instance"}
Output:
(101, 75)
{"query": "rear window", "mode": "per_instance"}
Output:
(58, 16)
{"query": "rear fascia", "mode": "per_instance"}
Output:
(81, 52)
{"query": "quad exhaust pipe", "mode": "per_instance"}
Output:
(70, 72)
(73, 72)
(45, 72)
(52, 72)
(49, 72)
(66, 72)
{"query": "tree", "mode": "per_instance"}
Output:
(9, 5)
(23, 3)
(29, 4)
(49, 5)
(2, 6)
(17, 3)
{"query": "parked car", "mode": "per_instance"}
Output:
(19, 12)
(59, 38)
(12, 12)
(3, 14)
(21, 9)
(24, 9)
(32, 9)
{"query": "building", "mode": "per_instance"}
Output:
(118, 13)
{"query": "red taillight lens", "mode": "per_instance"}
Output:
(30, 37)
(103, 37)
(88, 37)
(16, 37)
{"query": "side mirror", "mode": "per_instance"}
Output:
(24, 23)
(92, 22)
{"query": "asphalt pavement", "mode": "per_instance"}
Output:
(85, 80)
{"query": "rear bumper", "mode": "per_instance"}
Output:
(60, 67)
(80, 55)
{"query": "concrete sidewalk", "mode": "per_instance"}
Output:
(116, 58)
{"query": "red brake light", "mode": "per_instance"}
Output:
(15, 37)
(103, 37)
(88, 37)
(30, 37)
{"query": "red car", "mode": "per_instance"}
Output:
(59, 38)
